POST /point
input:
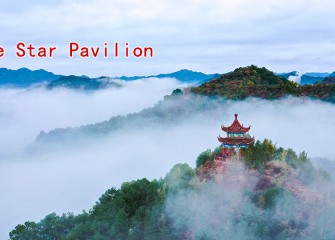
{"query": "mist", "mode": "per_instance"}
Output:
(296, 78)
(26, 112)
(230, 207)
(71, 179)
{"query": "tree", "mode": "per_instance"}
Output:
(204, 157)
(177, 92)
(26, 231)
(179, 177)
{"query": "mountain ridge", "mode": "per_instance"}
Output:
(183, 75)
(25, 77)
(253, 81)
(83, 83)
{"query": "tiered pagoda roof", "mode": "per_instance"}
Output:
(236, 141)
(236, 127)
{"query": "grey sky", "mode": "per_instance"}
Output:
(208, 36)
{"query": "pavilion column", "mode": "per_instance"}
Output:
(230, 152)
(224, 152)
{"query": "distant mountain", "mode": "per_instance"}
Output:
(332, 74)
(317, 74)
(328, 80)
(313, 77)
(24, 77)
(183, 75)
(84, 83)
(307, 79)
(253, 81)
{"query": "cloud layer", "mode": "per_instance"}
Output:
(24, 113)
(72, 179)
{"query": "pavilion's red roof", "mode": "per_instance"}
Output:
(236, 127)
(235, 141)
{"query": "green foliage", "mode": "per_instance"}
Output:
(26, 231)
(207, 155)
(135, 195)
(51, 228)
(138, 209)
(204, 157)
(306, 171)
(179, 177)
(268, 197)
(258, 154)
(132, 212)
(177, 92)
(252, 81)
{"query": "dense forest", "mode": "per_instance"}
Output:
(253, 81)
(271, 193)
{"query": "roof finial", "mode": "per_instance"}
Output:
(236, 116)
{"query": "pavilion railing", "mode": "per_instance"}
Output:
(219, 157)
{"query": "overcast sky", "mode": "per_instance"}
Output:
(202, 35)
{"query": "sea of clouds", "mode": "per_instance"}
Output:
(67, 180)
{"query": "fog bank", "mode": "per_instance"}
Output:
(70, 180)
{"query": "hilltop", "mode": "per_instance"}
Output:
(266, 195)
(253, 81)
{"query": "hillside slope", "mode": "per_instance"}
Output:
(24, 77)
(269, 194)
(253, 81)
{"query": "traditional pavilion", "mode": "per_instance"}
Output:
(237, 138)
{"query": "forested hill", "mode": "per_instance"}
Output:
(272, 193)
(253, 81)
